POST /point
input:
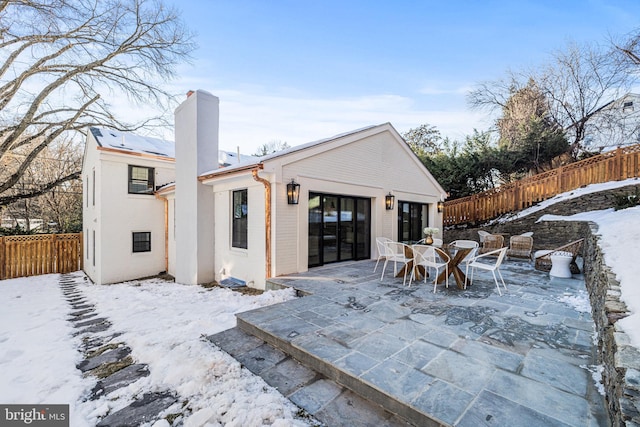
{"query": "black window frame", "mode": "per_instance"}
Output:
(414, 231)
(149, 182)
(139, 246)
(240, 219)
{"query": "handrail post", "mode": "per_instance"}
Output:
(54, 261)
(559, 181)
(2, 257)
(619, 163)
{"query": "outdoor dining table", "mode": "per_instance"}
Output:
(408, 252)
(456, 255)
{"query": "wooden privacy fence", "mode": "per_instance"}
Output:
(31, 255)
(615, 165)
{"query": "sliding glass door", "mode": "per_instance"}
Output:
(412, 218)
(339, 228)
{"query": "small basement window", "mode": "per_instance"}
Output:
(142, 241)
(141, 180)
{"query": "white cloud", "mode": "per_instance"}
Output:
(252, 115)
(249, 119)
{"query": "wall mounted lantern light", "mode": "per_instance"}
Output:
(389, 200)
(293, 192)
(440, 206)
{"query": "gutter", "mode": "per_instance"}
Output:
(233, 171)
(267, 217)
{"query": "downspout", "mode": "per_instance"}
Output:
(267, 217)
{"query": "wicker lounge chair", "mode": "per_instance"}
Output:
(543, 257)
(520, 247)
(491, 243)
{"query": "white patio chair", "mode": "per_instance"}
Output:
(493, 266)
(428, 257)
(382, 249)
(466, 244)
(482, 234)
(397, 253)
(475, 246)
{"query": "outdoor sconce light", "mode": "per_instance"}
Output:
(440, 206)
(293, 192)
(389, 200)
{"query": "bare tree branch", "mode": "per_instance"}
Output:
(62, 60)
(5, 200)
(578, 82)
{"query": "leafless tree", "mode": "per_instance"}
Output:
(578, 83)
(630, 47)
(424, 139)
(271, 147)
(59, 209)
(61, 61)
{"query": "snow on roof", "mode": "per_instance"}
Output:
(250, 161)
(128, 141)
(229, 158)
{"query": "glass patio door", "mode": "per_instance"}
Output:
(339, 228)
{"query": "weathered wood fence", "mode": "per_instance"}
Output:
(31, 255)
(615, 165)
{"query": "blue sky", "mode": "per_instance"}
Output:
(298, 71)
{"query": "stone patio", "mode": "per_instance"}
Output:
(457, 357)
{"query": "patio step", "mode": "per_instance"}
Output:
(252, 322)
(323, 402)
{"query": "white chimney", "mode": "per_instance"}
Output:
(196, 136)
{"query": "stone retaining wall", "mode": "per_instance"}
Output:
(547, 234)
(621, 361)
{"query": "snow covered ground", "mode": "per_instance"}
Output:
(620, 244)
(164, 324)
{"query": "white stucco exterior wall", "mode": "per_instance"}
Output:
(90, 208)
(196, 138)
(117, 214)
(245, 264)
(367, 165)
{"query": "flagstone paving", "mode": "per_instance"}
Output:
(457, 357)
(109, 360)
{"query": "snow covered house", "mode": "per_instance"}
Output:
(617, 124)
(202, 218)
